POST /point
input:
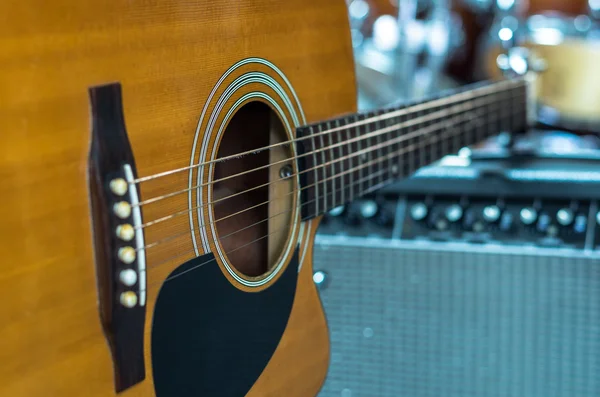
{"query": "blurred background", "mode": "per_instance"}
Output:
(478, 275)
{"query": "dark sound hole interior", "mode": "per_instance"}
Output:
(244, 229)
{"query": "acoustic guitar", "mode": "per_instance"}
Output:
(164, 169)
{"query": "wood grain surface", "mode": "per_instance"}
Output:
(168, 56)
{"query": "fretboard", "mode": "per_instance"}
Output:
(345, 158)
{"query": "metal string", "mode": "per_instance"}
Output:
(295, 223)
(399, 139)
(369, 177)
(375, 133)
(354, 155)
(470, 94)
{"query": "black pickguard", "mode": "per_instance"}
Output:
(210, 338)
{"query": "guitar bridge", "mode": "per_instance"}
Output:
(118, 236)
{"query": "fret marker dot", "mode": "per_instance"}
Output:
(118, 186)
(394, 169)
(127, 255)
(122, 209)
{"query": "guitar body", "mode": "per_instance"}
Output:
(181, 65)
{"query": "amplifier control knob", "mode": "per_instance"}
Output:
(352, 215)
(580, 225)
(506, 222)
(544, 222)
(418, 211)
(384, 218)
(528, 215)
(368, 209)
(491, 213)
(337, 211)
(564, 216)
(454, 213)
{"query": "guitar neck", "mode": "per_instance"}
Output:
(345, 158)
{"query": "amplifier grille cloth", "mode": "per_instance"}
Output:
(435, 323)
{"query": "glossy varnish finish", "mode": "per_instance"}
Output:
(168, 56)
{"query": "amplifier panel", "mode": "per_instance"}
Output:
(459, 320)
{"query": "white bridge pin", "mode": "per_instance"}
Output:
(127, 255)
(128, 277)
(118, 186)
(122, 209)
(128, 299)
(125, 232)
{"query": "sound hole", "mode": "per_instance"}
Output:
(253, 210)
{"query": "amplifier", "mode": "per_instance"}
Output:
(476, 277)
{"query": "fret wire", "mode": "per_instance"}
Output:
(362, 158)
(500, 112)
(476, 131)
(379, 140)
(484, 119)
(408, 168)
(423, 152)
(516, 112)
(376, 155)
(436, 136)
(385, 151)
(456, 141)
(461, 129)
(413, 165)
(352, 147)
(315, 172)
(332, 169)
(340, 167)
(509, 105)
(511, 110)
(350, 132)
(371, 155)
(391, 162)
(472, 126)
(348, 179)
(504, 96)
(324, 179)
(422, 155)
(432, 150)
(521, 91)
(390, 148)
(431, 155)
(504, 103)
(358, 147)
(479, 133)
(495, 124)
(444, 142)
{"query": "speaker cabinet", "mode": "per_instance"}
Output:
(411, 319)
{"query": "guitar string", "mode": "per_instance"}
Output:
(375, 133)
(399, 139)
(480, 89)
(333, 176)
(264, 220)
(371, 176)
(268, 201)
(376, 187)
